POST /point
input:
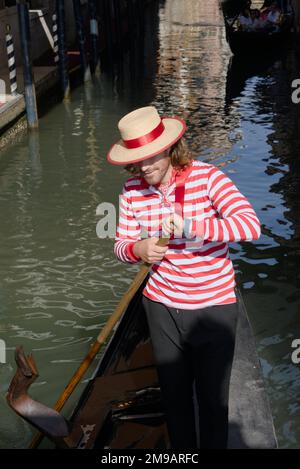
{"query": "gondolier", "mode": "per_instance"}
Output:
(190, 298)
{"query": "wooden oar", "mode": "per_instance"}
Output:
(106, 330)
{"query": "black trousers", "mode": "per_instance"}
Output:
(194, 347)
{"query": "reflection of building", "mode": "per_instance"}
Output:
(193, 62)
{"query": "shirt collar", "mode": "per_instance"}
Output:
(172, 179)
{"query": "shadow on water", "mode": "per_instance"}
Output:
(241, 69)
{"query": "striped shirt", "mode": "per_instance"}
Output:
(196, 271)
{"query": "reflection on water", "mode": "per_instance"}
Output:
(268, 270)
(59, 282)
(193, 60)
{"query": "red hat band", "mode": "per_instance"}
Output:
(145, 139)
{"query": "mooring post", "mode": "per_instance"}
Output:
(55, 38)
(81, 40)
(62, 49)
(94, 32)
(11, 61)
(140, 14)
(118, 26)
(107, 21)
(30, 96)
(131, 22)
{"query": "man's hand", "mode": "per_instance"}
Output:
(182, 228)
(148, 250)
(173, 223)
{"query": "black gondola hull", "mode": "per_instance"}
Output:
(257, 43)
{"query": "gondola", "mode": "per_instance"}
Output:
(259, 42)
(121, 406)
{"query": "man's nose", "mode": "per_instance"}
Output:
(144, 165)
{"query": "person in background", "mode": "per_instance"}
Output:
(257, 22)
(265, 8)
(273, 18)
(244, 21)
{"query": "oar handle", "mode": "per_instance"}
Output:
(163, 241)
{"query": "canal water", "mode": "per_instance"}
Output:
(59, 282)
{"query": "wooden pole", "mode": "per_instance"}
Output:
(81, 41)
(118, 26)
(11, 61)
(108, 31)
(30, 95)
(62, 49)
(131, 23)
(94, 32)
(55, 39)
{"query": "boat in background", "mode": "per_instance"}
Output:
(121, 406)
(259, 41)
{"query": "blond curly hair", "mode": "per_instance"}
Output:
(180, 155)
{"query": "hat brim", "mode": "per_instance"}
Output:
(174, 129)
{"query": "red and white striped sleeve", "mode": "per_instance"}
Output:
(128, 230)
(238, 221)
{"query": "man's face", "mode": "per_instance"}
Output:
(157, 169)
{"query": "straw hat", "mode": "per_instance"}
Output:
(144, 134)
